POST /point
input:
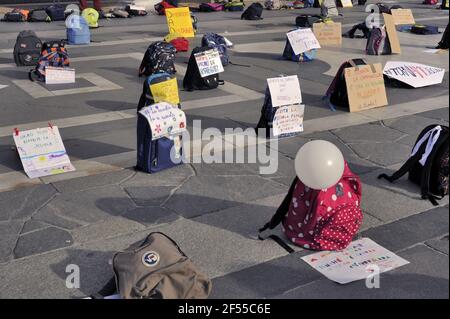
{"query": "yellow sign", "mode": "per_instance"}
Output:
(166, 91)
(179, 22)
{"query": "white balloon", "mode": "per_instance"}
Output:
(319, 164)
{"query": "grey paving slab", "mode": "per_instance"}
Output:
(149, 195)
(9, 231)
(32, 225)
(440, 244)
(383, 154)
(368, 133)
(151, 216)
(171, 177)
(439, 114)
(413, 124)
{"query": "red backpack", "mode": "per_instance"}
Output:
(180, 44)
(326, 219)
(162, 6)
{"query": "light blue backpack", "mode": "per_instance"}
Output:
(78, 32)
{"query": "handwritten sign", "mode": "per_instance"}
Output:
(356, 262)
(59, 75)
(365, 87)
(166, 91)
(42, 152)
(402, 16)
(414, 74)
(165, 119)
(288, 120)
(285, 90)
(328, 34)
(179, 22)
(302, 40)
(347, 3)
(392, 33)
(209, 62)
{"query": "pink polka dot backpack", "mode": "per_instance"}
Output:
(326, 219)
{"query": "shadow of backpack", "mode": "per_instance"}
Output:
(428, 163)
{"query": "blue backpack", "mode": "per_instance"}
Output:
(153, 155)
(79, 33)
(289, 54)
(214, 40)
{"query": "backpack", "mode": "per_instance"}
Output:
(329, 9)
(361, 2)
(53, 54)
(337, 92)
(430, 2)
(155, 268)
(56, 12)
(253, 12)
(161, 7)
(210, 7)
(79, 33)
(193, 80)
(194, 22)
(135, 11)
(424, 29)
(288, 54)
(234, 6)
(360, 26)
(272, 4)
(159, 57)
(428, 163)
(91, 16)
(326, 219)
(307, 21)
(443, 44)
(444, 5)
(298, 4)
(15, 16)
(180, 44)
(119, 13)
(39, 15)
(378, 42)
(216, 41)
(27, 49)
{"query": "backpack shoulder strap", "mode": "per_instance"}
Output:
(405, 168)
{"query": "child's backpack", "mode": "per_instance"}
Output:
(53, 54)
(298, 4)
(337, 92)
(234, 6)
(119, 13)
(272, 4)
(27, 49)
(56, 12)
(358, 27)
(79, 33)
(253, 12)
(161, 7)
(326, 219)
(210, 7)
(288, 54)
(329, 9)
(427, 165)
(216, 41)
(136, 11)
(15, 15)
(443, 44)
(378, 42)
(155, 268)
(193, 80)
(91, 16)
(180, 44)
(159, 57)
(38, 15)
(424, 29)
(146, 96)
(430, 2)
(307, 21)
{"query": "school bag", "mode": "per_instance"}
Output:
(56, 12)
(216, 41)
(155, 268)
(15, 15)
(136, 11)
(180, 44)
(307, 21)
(337, 91)
(119, 13)
(161, 7)
(443, 44)
(27, 49)
(298, 4)
(53, 54)
(326, 219)
(192, 79)
(253, 12)
(234, 6)
(210, 7)
(430, 2)
(91, 16)
(358, 27)
(328, 8)
(159, 57)
(307, 56)
(79, 33)
(39, 15)
(378, 42)
(424, 29)
(428, 163)
(194, 22)
(272, 4)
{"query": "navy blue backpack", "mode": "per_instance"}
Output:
(214, 40)
(153, 155)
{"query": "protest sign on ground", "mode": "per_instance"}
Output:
(402, 16)
(288, 119)
(328, 34)
(164, 119)
(414, 74)
(285, 90)
(179, 22)
(59, 75)
(166, 91)
(302, 40)
(209, 62)
(347, 3)
(392, 33)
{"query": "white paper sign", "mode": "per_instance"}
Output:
(347, 3)
(302, 40)
(288, 119)
(209, 62)
(285, 90)
(59, 75)
(164, 119)
(42, 152)
(356, 262)
(414, 74)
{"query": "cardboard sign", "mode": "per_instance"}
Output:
(414, 74)
(365, 87)
(288, 120)
(179, 22)
(392, 33)
(358, 261)
(59, 75)
(166, 91)
(328, 34)
(42, 152)
(302, 40)
(347, 3)
(209, 62)
(285, 90)
(165, 119)
(402, 16)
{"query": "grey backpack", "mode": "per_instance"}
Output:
(329, 9)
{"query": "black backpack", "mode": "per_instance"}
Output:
(193, 80)
(307, 21)
(146, 96)
(56, 12)
(27, 49)
(430, 173)
(443, 44)
(358, 27)
(253, 12)
(267, 116)
(14, 16)
(337, 92)
(38, 15)
(159, 57)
